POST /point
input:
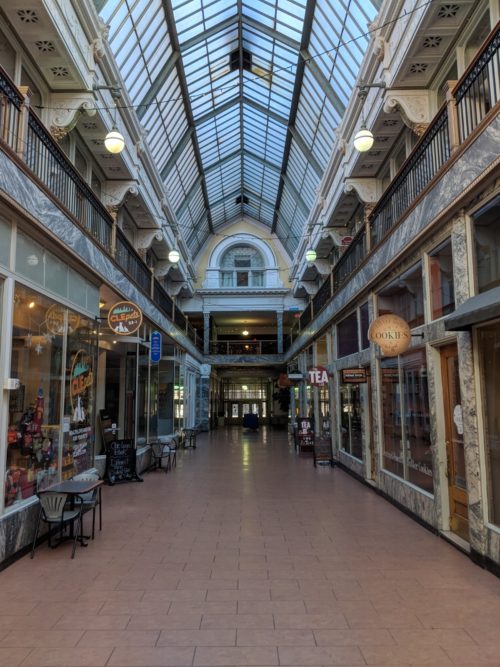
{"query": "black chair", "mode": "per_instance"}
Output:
(160, 451)
(54, 513)
(91, 500)
(189, 437)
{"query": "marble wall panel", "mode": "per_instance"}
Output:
(417, 502)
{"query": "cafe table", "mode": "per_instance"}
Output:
(75, 488)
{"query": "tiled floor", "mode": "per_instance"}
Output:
(248, 555)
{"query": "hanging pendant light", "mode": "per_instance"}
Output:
(363, 139)
(311, 255)
(174, 256)
(114, 141)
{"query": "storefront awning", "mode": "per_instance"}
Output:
(477, 309)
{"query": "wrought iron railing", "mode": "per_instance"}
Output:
(128, 259)
(306, 316)
(50, 164)
(429, 155)
(162, 300)
(10, 111)
(322, 296)
(180, 319)
(478, 90)
(354, 254)
(242, 347)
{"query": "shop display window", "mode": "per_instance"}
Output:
(404, 297)
(441, 280)
(488, 339)
(364, 321)
(487, 236)
(350, 419)
(5, 234)
(53, 358)
(347, 335)
(407, 448)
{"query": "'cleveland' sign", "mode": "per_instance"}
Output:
(124, 318)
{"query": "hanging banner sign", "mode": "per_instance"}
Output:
(353, 375)
(124, 318)
(391, 333)
(317, 377)
(155, 349)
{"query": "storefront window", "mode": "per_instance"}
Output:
(350, 419)
(36, 431)
(487, 233)
(5, 232)
(404, 297)
(405, 414)
(347, 335)
(488, 338)
(441, 280)
(364, 320)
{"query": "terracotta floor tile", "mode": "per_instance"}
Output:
(260, 637)
(350, 637)
(397, 655)
(13, 657)
(327, 655)
(68, 657)
(307, 621)
(145, 656)
(112, 638)
(204, 637)
(264, 621)
(221, 656)
(44, 638)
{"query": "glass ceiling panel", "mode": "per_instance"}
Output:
(217, 120)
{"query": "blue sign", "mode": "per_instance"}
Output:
(155, 350)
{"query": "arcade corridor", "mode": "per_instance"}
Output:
(245, 554)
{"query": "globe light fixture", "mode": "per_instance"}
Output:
(310, 255)
(363, 139)
(174, 256)
(245, 332)
(114, 141)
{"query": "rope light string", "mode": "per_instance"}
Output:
(236, 86)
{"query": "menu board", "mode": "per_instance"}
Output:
(121, 462)
(305, 434)
(323, 451)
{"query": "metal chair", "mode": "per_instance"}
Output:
(190, 438)
(91, 500)
(54, 513)
(160, 451)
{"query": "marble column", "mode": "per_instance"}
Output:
(279, 319)
(206, 333)
(203, 407)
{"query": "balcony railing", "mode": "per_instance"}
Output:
(430, 154)
(243, 347)
(128, 259)
(478, 90)
(22, 131)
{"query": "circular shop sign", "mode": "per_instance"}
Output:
(54, 319)
(124, 318)
(391, 333)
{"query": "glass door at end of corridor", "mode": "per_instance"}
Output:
(457, 485)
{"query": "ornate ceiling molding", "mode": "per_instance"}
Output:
(414, 107)
(367, 190)
(66, 109)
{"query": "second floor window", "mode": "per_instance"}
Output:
(242, 266)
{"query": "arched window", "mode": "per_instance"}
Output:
(242, 266)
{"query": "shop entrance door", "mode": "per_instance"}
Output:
(457, 485)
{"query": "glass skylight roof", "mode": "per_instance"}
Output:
(240, 100)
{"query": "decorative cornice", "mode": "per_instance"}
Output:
(366, 189)
(116, 191)
(65, 110)
(145, 237)
(413, 106)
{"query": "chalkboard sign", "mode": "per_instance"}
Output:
(305, 434)
(121, 462)
(323, 451)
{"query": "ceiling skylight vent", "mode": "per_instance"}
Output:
(240, 199)
(240, 61)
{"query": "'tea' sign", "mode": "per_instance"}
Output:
(318, 376)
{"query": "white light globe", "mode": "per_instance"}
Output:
(363, 140)
(114, 141)
(174, 256)
(311, 255)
